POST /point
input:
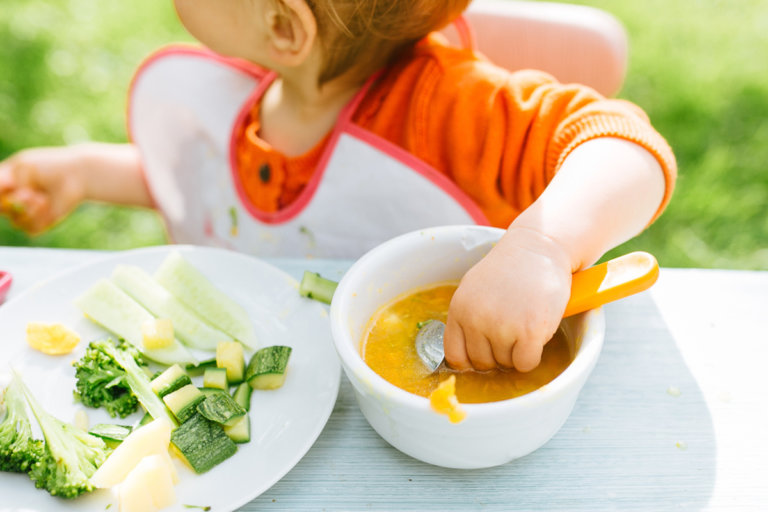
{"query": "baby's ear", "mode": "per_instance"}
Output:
(292, 31)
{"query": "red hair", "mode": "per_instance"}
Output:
(361, 36)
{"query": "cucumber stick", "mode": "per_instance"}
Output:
(191, 287)
(188, 326)
(113, 309)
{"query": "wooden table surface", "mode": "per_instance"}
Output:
(674, 416)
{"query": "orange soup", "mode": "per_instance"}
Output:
(388, 348)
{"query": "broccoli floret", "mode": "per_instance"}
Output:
(70, 455)
(18, 450)
(101, 382)
(123, 356)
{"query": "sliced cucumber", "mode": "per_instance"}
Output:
(170, 380)
(240, 431)
(314, 286)
(266, 369)
(215, 378)
(110, 432)
(198, 369)
(183, 402)
(221, 408)
(202, 443)
(191, 287)
(189, 327)
(230, 355)
(242, 395)
(116, 311)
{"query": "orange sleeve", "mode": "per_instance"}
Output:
(500, 136)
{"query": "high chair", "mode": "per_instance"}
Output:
(573, 43)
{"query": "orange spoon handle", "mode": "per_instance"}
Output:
(612, 280)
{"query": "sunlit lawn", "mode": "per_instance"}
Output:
(696, 67)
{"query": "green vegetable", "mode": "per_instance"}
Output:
(242, 395)
(221, 408)
(215, 378)
(183, 402)
(70, 455)
(230, 355)
(202, 443)
(314, 286)
(116, 311)
(18, 450)
(101, 382)
(187, 325)
(266, 369)
(110, 432)
(170, 380)
(191, 287)
(239, 431)
(123, 356)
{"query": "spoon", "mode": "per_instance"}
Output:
(590, 288)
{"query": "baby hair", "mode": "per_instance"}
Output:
(361, 36)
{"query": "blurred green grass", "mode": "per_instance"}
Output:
(696, 66)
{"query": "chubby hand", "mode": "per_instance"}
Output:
(509, 304)
(40, 186)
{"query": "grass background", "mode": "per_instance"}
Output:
(696, 66)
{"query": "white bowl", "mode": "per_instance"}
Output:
(492, 433)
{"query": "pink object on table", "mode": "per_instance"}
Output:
(5, 284)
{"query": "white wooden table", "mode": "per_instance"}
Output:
(674, 417)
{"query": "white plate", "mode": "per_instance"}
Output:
(284, 422)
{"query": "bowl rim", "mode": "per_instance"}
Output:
(357, 370)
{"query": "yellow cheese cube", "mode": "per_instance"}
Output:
(157, 333)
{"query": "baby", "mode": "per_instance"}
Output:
(324, 127)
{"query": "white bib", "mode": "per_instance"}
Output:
(185, 105)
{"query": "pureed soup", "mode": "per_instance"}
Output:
(388, 348)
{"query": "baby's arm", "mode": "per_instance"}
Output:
(510, 304)
(40, 186)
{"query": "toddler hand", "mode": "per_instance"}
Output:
(509, 304)
(40, 186)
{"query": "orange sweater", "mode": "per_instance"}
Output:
(499, 136)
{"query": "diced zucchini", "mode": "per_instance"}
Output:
(202, 443)
(211, 391)
(215, 378)
(170, 380)
(108, 431)
(314, 286)
(242, 395)
(192, 288)
(230, 355)
(144, 420)
(198, 369)
(190, 328)
(113, 309)
(266, 369)
(221, 408)
(240, 431)
(183, 402)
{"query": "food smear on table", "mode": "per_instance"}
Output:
(388, 348)
(53, 339)
(443, 400)
(195, 409)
